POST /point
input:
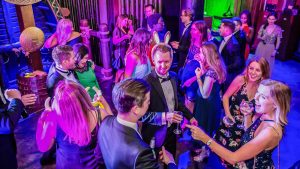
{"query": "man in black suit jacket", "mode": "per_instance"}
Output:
(121, 143)
(239, 34)
(182, 47)
(231, 52)
(9, 117)
(160, 118)
(148, 10)
(64, 63)
(61, 69)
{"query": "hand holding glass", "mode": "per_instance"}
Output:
(246, 107)
(177, 130)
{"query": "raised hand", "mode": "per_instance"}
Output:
(197, 133)
(174, 44)
(173, 117)
(198, 72)
(194, 122)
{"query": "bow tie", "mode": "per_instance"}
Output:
(164, 79)
(69, 73)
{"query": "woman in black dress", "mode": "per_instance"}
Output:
(272, 101)
(243, 88)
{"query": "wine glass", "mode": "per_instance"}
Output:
(246, 106)
(228, 123)
(177, 130)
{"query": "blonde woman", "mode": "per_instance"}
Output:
(242, 89)
(272, 101)
(121, 35)
(210, 76)
(64, 35)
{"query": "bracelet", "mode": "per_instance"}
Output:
(208, 143)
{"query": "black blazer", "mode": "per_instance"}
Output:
(122, 147)
(184, 45)
(9, 119)
(232, 56)
(158, 104)
(241, 38)
(52, 81)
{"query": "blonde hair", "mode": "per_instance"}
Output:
(64, 31)
(120, 19)
(281, 95)
(214, 60)
(73, 106)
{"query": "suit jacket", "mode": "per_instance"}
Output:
(152, 125)
(241, 38)
(122, 147)
(144, 23)
(184, 44)
(233, 58)
(234, 61)
(8, 120)
(52, 81)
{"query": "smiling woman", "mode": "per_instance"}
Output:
(243, 88)
(262, 137)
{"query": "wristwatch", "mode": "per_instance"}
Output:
(208, 143)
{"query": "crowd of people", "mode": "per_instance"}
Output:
(79, 130)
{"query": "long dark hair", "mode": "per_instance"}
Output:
(80, 50)
(270, 14)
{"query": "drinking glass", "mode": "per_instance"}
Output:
(177, 130)
(246, 106)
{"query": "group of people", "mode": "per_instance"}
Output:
(79, 130)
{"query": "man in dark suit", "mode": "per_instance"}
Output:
(121, 143)
(64, 63)
(182, 47)
(61, 69)
(230, 50)
(160, 118)
(239, 34)
(148, 10)
(10, 114)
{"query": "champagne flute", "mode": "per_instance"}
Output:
(245, 106)
(177, 130)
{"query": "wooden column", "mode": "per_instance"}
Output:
(26, 19)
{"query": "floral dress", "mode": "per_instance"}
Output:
(264, 159)
(230, 137)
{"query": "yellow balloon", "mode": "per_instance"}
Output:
(32, 39)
